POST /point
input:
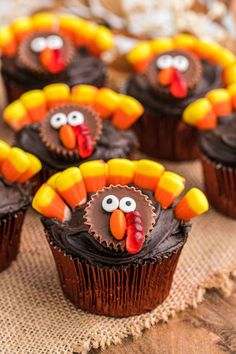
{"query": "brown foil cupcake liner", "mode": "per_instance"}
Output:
(10, 232)
(220, 185)
(118, 292)
(166, 137)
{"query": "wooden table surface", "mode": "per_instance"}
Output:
(210, 328)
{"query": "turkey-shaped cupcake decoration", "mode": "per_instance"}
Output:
(120, 200)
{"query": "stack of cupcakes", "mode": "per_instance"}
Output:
(47, 48)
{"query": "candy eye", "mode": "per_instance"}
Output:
(54, 42)
(164, 62)
(181, 63)
(110, 203)
(127, 204)
(58, 120)
(38, 44)
(75, 118)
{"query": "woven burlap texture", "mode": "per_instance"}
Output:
(36, 318)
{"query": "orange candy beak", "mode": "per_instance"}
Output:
(166, 76)
(118, 224)
(67, 137)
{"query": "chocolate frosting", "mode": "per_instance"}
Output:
(84, 68)
(113, 143)
(219, 144)
(139, 87)
(13, 197)
(167, 236)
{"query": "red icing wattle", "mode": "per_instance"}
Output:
(135, 235)
(84, 140)
(178, 86)
(53, 60)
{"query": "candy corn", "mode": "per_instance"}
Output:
(34, 168)
(83, 94)
(192, 204)
(224, 57)
(200, 114)
(168, 189)
(221, 101)
(48, 203)
(4, 151)
(129, 110)
(229, 74)
(70, 186)
(160, 45)
(16, 164)
(120, 171)
(84, 33)
(69, 25)
(44, 21)
(140, 56)
(174, 175)
(147, 174)
(52, 180)
(106, 102)
(57, 94)
(185, 41)
(7, 42)
(16, 115)
(232, 92)
(102, 41)
(22, 27)
(94, 175)
(206, 49)
(35, 103)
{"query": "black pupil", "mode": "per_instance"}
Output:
(74, 116)
(58, 118)
(109, 201)
(128, 203)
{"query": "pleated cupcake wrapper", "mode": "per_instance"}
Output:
(123, 291)
(220, 185)
(10, 233)
(166, 137)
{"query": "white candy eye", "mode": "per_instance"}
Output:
(38, 44)
(164, 61)
(127, 204)
(54, 42)
(58, 120)
(181, 63)
(110, 203)
(75, 118)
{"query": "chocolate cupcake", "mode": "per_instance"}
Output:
(116, 232)
(64, 128)
(214, 115)
(172, 73)
(47, 48)
(17, 168)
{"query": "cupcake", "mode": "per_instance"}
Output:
(17, 168)
(48, 48)
(170, 74)
(116, 232)
(64, 128)
(214, 116)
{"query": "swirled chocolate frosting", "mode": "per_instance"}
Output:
(84, 68)
(139, 87)
(219, 144)
(13, 197)
(113, 143)
(73, 238)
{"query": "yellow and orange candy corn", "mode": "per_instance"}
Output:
(84, 33)
(232, 92)
(200, 114)
(120, 171)
(70, 186)
(16, 115)
(185, 41)
(229, 74)
(84, 94)
(4, 151)
(68, 26)
(7, 42)
(106, 102)
(102, 41)
(34, 168)
(140, 56)
(44, 21)
(16, 164)
(175, 175)
(94, 175)
(48, 203)
(147, 174)
(163, 44)
(57, 94)
(36, 105)
(192, 204)
(52, 180)
(221, 101)
(168, 189)
(128, 111)
(22, 27)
